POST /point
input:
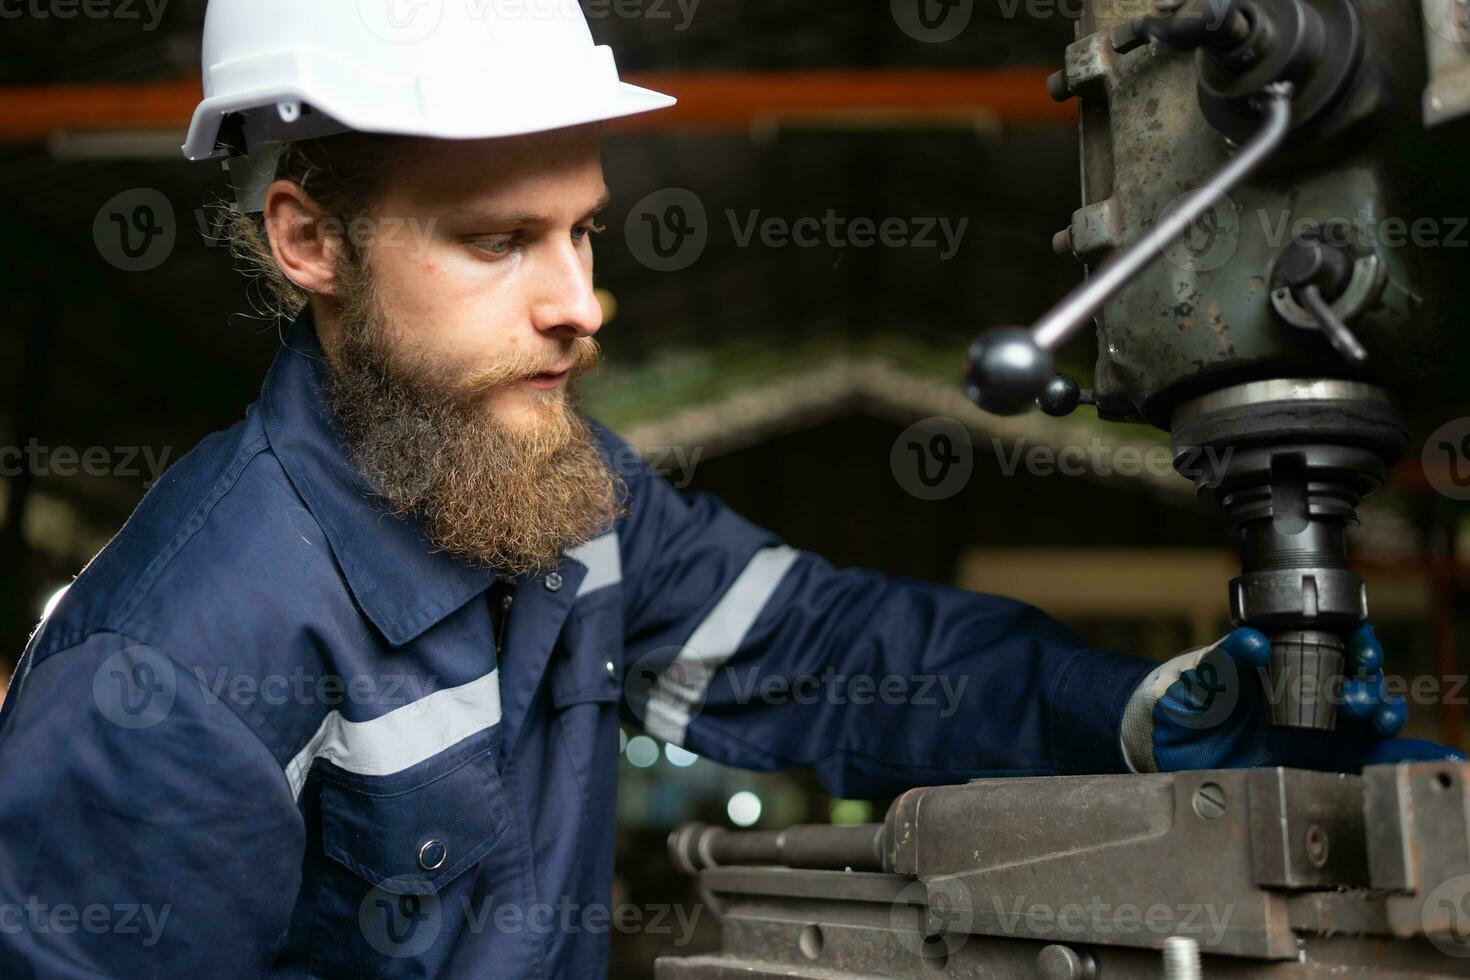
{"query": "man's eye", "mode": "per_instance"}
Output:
(497, 245)
(582, 231)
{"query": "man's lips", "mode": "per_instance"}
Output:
(548, 379)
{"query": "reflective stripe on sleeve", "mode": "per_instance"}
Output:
(682, 685)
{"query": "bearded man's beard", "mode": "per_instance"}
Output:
(509, 498)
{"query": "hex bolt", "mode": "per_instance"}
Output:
(1181, 959)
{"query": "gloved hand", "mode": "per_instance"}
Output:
(1208, 709)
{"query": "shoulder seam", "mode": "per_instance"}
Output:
(165, 557)
(118, 621)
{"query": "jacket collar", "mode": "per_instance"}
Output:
(401, 584)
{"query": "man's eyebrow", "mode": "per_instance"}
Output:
(602, 202)
(521, 218)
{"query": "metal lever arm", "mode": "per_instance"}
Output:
(1005, 379)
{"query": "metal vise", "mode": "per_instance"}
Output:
(1270, 872)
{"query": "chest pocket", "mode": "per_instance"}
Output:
(395, 851)
(586, 691)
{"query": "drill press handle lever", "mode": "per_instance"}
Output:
(1009, 368)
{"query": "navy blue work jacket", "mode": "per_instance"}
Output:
(268, 731)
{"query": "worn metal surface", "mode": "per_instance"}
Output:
(1195, 843)
(1274, 872)
(1204, 315)
(1447, 39)
(1419, 846)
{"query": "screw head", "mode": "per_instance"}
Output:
(1316, 845)
(1209, 801)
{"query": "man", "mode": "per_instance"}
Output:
(342, 698)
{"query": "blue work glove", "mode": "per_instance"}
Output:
(1208, 709)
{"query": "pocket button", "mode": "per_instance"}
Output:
(432, 854)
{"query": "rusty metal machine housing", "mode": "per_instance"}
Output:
(1278, 330)
(1272, 872)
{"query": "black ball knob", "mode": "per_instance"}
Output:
(1061, 397)
(1006, 371)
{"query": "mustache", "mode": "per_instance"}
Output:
(579, 357)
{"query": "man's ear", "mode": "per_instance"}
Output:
(303, 239)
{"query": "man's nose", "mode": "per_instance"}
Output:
(566, 302)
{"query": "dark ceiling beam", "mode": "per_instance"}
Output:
(710, 100)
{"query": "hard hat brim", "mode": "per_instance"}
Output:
(623, 100)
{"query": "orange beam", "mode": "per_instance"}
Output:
(733, 100)
(710, 100)
(33, 112)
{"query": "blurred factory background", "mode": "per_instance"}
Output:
(785, 375)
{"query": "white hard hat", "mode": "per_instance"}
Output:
(450, 69)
